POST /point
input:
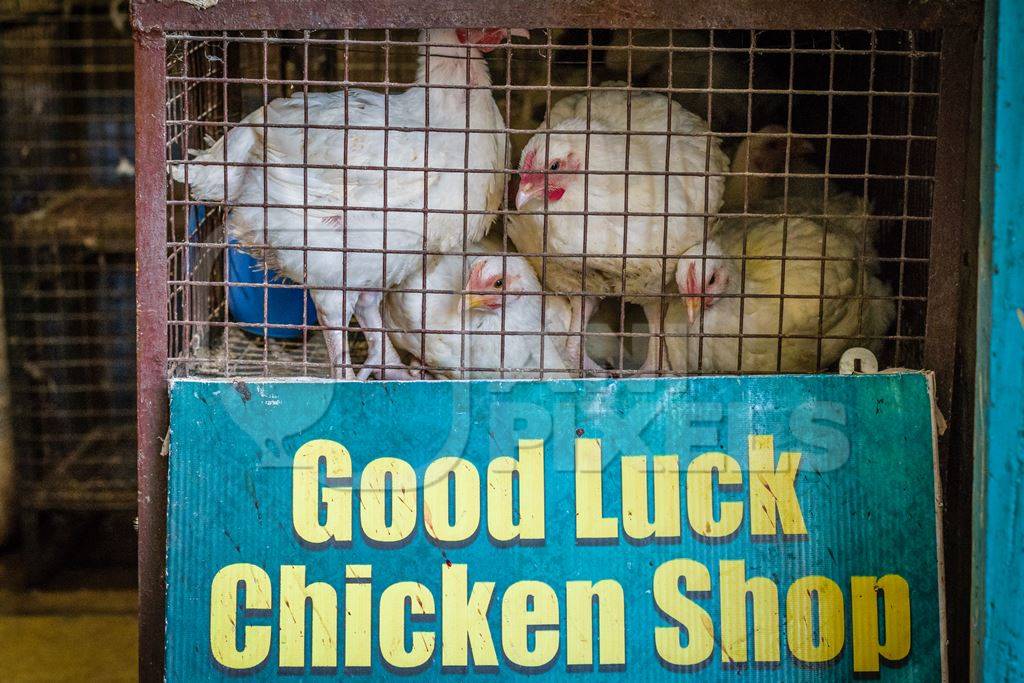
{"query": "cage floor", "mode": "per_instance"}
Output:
(241, 354)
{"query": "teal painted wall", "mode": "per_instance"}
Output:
(999, 436)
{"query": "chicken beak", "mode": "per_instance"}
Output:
(693, 304)
(525, 195)
(519, 33)
(487, 302)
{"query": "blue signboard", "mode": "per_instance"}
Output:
(767, 528)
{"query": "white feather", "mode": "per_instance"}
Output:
(488, 341)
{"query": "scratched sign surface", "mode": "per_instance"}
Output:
(767, 528)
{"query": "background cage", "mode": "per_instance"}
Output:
(885, 94)
(66, 254)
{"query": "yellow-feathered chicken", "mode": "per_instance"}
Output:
(732, 292)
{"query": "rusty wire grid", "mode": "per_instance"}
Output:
(796, 224)
(66, 251)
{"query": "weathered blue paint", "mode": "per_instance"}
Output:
(998, 608)
(865, 487)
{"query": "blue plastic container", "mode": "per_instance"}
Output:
(245, 304)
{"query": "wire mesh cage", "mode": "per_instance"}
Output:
(404, 204)
(660, 189)
(67, 243)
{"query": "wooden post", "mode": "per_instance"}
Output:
(151, 316)
(998, 599)
(7, 482)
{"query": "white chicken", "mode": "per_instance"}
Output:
(600, 238)
(732, 290)
(488, 321)
(326, 226)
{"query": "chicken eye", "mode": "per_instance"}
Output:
(714, 278)
(555, 165)
(499, 283)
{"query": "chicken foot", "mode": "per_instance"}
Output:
(334, 311)
(382, 359)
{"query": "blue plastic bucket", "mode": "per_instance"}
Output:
(245, 304)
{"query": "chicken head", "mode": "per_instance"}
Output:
(702, 277)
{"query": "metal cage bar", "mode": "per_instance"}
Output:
(702, 14)
(151, 312)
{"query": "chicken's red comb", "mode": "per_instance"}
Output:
(528, 160)
(473, 282)
(691, 280)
